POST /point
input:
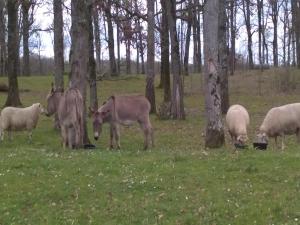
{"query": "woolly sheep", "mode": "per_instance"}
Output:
(19, 119)
(280, 121)
(237, 120)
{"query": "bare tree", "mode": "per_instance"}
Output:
(13, 98)
(188, 39)
(214, 128)
(232, 35)
(274, 15)
(150, 92)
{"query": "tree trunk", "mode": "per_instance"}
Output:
(165, 54)
(25, 29)
(118, 49)
(13, 98)
(177, 105)
(111, 42)
(58, 45)
(3, 52)
(150, 91)
(223, 58)
(214, 129)
(80, 58)
(97, 39)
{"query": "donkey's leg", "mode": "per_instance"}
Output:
(117, 135)
(112, 136)
(64, 137)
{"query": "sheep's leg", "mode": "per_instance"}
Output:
(2, 134)
(9, 135)
(70, 137)
(282, 142)
(30, 136)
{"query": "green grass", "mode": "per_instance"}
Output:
(177, 182)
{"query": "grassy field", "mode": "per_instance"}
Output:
(177, 182)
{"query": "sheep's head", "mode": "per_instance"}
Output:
(41, 108)
(242, 139)
(262, 137)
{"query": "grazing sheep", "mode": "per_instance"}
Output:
(280, 121)
(19, 119)
(237, 120)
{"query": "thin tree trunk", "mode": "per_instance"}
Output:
(247, 16)
(274, 6)
(223, 58)
(177, 105)
(187, 41)
(13, 98)
(150, 91)
(3, 52)
(92, 62)
(25, 29)
(128, 56)
(214, 129)
(259, 10)
(111, 42)
(58, 44)
(165, 54)
(296, 28)
(97, 39)
(232, 36)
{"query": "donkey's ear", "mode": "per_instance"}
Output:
(52, 87)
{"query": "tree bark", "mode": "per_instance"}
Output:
(150, 91)
(80, 58)
(259, 10)
(26, 4)
(223, 58)
(177, 105)
(214, 128)
(13, 98)
(58, 45)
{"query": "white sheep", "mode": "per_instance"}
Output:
(280, 121)
(19, 119)
(237, 120)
